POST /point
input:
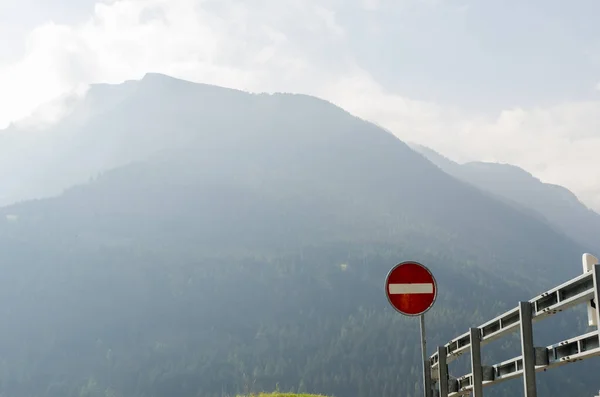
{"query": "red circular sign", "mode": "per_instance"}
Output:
(411, 288)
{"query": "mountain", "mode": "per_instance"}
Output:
(236, 241)
(36, 158)
(556, 204)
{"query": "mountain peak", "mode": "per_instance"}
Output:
(153, 81)
(155, 76)
(501, 167)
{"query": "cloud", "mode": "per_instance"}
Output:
(223, 43)
(298, 46)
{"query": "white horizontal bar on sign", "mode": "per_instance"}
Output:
(411, 289)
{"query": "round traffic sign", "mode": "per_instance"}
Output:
(411, 288)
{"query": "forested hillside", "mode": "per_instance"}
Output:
(243, 245)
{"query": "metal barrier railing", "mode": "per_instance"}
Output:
(584, 289)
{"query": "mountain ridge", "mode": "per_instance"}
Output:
(559, 206)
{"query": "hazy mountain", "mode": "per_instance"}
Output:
(101, 130)
(559, 206)
(240, 241)
(37, 156)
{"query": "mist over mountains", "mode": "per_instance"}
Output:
(515, 186)
(201, 240)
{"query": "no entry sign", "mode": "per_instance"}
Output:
(411, 288)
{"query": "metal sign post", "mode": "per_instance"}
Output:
(411, 289)
(426, 365)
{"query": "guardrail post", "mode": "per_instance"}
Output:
(596, 275)
(589, 261)
(476, 369)
(527, 349)
(442, 372)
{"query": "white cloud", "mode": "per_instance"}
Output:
(53, 111)
(222, 42)
(291, 45)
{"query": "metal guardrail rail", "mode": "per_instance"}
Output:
(584, 289)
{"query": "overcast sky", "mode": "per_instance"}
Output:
(511, 81)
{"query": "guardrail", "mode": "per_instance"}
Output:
(584, 289)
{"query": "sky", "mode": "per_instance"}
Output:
(508, 81)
